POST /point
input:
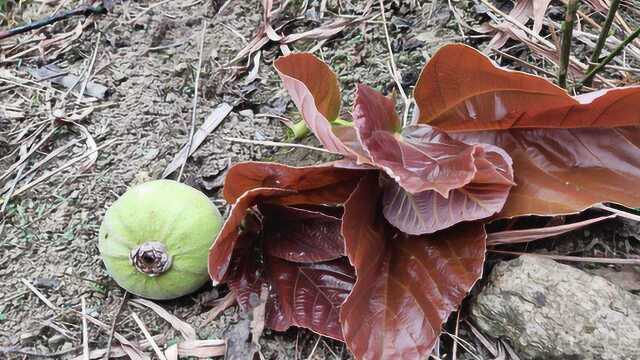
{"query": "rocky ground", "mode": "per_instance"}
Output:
(146, 55)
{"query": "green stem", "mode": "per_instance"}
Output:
(604, 34)
(608, 59)
(567, 34)
(340, 122)
(299, 130)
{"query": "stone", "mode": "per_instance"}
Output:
(549, 310)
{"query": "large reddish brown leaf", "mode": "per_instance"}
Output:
(321, 184)
(301, 235)
(462, 90)
(220, 253)
(406, 286)
(563, 171)
(314, 89)
(310, 295)
(585, 150)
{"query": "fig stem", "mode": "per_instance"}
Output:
(151, 258)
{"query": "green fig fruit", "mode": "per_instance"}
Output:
(154, 240)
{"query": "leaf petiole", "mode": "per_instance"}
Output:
(340, 122)
(300, 129)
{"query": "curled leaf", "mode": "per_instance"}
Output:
(314, 89)
(256, 219)
(428, 211)
(419, 159)
(406, 286)
(437, 181)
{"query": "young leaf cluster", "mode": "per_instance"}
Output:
(377, 249)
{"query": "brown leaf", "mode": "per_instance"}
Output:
(419, 158)
(564, 171)
(275, 316)
(437, 181)
(406, 285)
(427, 212)
(234, 258)
(222, 249)
(310, 294)
(314, 89)
(460, 89)
(321, 184)
(301, 235)
(561, 146)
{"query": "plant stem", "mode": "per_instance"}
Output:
(567, 34)
(85, 10)
(604, 34)
(589, 77)
(299, 130)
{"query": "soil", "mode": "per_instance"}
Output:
(148, 61)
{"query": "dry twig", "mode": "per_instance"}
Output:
(113, 325)
(276, 144)
(195, 98)
(85, 330)
(82, 10)
(598, 260)
(148, 336)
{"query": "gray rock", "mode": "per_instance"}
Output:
(553, 311)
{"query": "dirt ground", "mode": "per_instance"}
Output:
(147, 56)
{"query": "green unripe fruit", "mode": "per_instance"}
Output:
(155, 239)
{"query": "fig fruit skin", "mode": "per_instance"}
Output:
(163, 212)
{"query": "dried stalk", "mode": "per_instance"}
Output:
(194, 110)
(567, 34)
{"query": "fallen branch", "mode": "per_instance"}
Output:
(82, 10)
